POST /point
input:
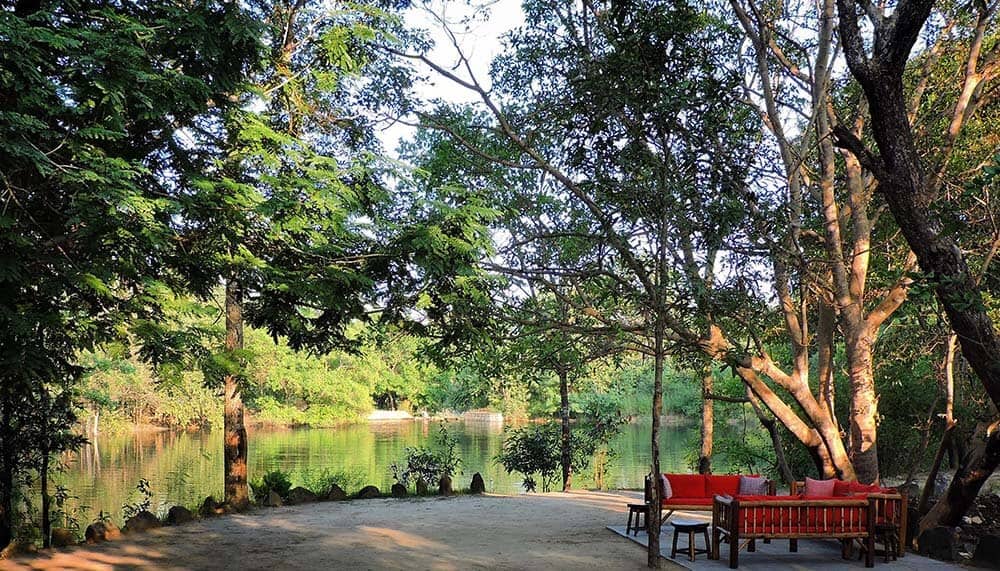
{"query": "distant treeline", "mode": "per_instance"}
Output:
(286, 387)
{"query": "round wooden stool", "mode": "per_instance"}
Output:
(641, 512)
(691, 528)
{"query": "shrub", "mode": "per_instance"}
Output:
(429, 464)
(274, 481)
(321, 481)
(537, 449)
(144, 503)
(532, 450)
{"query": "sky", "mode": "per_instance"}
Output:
(480, 40)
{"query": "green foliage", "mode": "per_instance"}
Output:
(532, 450)
(143, 503)
(429, 464)
(65, 515)
(321, 481)
(274, 481)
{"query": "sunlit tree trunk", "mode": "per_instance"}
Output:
(235, 435)
(707, 423)
(864, 411)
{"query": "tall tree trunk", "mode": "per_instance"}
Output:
(771, 426)
(237, 493)
(825, 352)
(653, 551)
(566, 456)
(707, 423)
(6, 470)
(976, 467)
(43, 477)
(949, 424)
(864, 409)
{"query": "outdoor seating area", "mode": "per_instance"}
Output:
(852, 513)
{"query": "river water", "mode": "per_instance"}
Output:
(185, 467)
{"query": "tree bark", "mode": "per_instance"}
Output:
(237, 493)
(977, 466)
(653, 547)
(566, 456)
(949, 424)
(864, 410)
(6, 471)
(43, 478)
(771, 426)
(707, 423)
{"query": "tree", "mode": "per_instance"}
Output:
(545, 342)
(910, 191)
(90, 97)
(285, 206)
(616, 163)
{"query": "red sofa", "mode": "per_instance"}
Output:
(694, 492)
(888, 504)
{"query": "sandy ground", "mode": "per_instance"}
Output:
(538, 531)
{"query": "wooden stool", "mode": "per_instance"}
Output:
(691, 528)
(641, 512)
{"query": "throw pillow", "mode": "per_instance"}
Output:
(751, 486)
(819, 488)
(665, 487)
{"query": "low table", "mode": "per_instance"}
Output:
(691, 528)
(641, 513)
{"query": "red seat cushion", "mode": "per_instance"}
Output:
(687, 485)
(722, 485)
(842, 488)
(859, 488)
(678, 501)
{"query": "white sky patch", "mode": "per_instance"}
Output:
(480, 39)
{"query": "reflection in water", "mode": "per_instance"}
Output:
(184, 467)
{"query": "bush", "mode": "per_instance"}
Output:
(532, 450)
(274, 481)
(144, 503)
(321, 481)
(429, 464)
(537, 449)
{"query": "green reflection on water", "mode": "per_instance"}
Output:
(184, 467)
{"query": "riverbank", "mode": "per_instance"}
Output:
(538, 531)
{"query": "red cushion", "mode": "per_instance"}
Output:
(842, 488)
(678, 501)
(722, 485)
(859, 488)
(687, 485)
(770, 498)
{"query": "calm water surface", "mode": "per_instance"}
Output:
(183, 468)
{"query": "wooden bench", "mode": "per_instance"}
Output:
(890, 507)
(741, 521)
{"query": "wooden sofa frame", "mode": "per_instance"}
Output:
(881, 506)
(856, 521)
